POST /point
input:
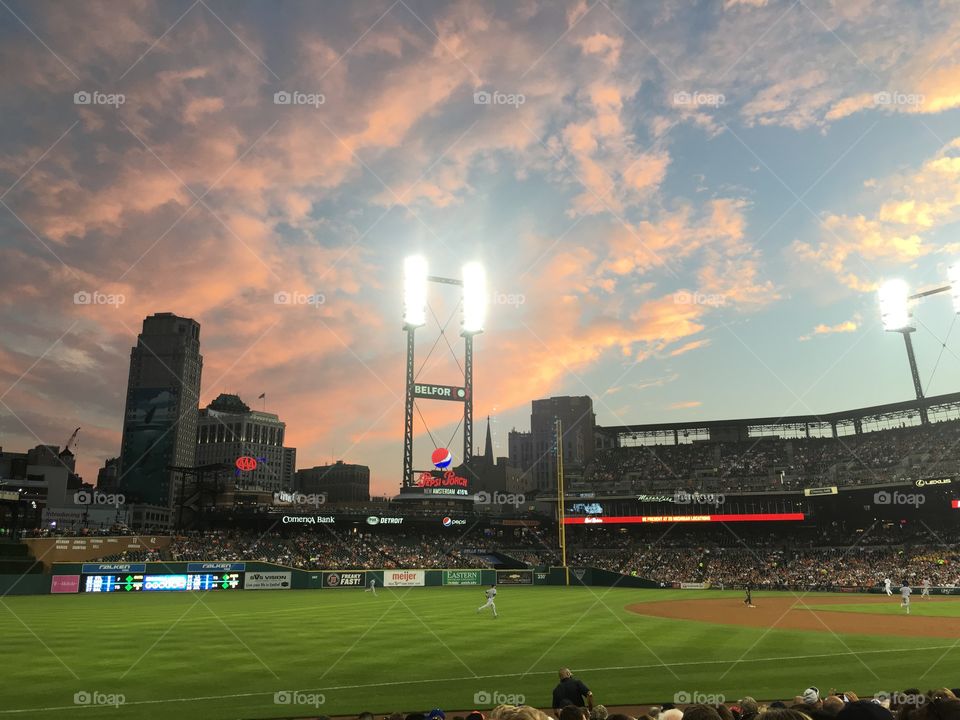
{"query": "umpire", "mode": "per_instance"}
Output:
(571, 691)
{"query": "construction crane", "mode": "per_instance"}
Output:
(71, 441)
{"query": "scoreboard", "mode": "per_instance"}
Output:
(139, 582)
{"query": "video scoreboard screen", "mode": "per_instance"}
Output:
(170, 583)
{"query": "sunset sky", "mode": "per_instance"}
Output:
(684, 208)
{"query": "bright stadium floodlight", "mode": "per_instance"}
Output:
(894, 310)
(474, 298)
(954, 275)
(414, 291)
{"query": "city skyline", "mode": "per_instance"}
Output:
(684, 211)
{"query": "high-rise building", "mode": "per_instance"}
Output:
(228, 429)
(108, 476)
(341, 482)
(160, 420)
(535, 452)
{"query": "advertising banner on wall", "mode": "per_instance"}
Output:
(514, 577)
(404, 578)
(267, 581)
(65, 584)
(461, 577)
(344, 579)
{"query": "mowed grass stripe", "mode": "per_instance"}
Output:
(312, 640)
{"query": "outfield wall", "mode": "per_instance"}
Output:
(217, 576)
(190, 576)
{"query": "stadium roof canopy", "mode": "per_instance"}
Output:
(850, 421)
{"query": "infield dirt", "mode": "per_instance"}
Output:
(795, 612)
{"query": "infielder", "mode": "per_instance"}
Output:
(491, 593)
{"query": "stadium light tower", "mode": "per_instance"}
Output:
(894, 298)
(474, 301)
(895, 313)
(474, 314)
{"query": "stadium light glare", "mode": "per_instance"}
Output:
(894, 310)
(474, 297)
(954, 275)
(414, 291)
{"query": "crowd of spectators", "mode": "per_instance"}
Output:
(330, 550)
(828, 559)
(810, 704)
(790, 463)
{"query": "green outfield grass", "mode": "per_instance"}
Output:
(225, 655)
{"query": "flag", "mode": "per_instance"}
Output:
(262, 396)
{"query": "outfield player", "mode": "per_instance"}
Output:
(887, 585)
(926, 588)
(905, 597)
(372, 588)
(491, 593)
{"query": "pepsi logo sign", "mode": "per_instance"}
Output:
(441, 458)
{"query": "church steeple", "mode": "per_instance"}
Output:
(488, 448)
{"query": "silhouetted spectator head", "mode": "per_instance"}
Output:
(572, 712)
(864, 710)
(700, 712)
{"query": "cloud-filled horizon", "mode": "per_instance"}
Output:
(684, 210)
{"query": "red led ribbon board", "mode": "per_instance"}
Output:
(736, 517)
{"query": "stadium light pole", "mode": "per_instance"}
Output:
(414, 316)
(894, 296)
(474, 316)
(895, 312)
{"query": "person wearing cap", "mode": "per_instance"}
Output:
(436, 714)
(811, 697)
(570, 691)
(748, 708)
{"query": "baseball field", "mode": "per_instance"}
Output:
(306, 653)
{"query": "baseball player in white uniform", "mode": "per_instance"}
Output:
(905, 597)
(372, 588)
(925, 592)
(887, 585)
(491, 593)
